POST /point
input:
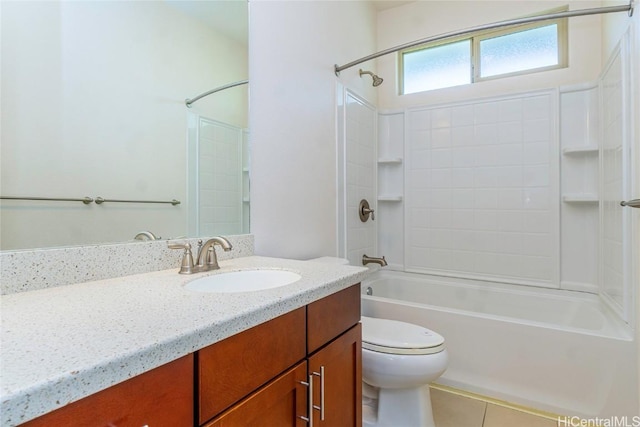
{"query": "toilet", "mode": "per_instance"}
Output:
(399, 360)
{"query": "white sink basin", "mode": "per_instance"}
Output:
(243, 281)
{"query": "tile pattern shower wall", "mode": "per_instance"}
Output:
(482, 190)
(579, 222)
(391, 188)
(360, 177)
(220, 178)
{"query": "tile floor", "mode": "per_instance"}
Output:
(453, 410)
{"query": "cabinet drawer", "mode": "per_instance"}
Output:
(162, 396)
(280, 403)
(233, 368)
(331, 316)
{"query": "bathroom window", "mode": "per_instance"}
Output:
(486, 55)
(436, 67)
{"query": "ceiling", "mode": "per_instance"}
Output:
(230, 17)
(388, 4)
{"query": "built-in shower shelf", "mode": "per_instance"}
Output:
(587, 149)
(245, 200)
(389, 198)
(390, 161)
(580, 198)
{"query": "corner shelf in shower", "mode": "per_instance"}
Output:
(390, 161)
(389, 198)
(587, 149)
(580, 198)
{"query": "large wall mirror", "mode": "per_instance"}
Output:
(93, 105)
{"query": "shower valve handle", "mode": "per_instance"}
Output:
(369, 211)
(365, 210)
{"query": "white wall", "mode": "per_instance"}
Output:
(293, 47)
(93, 105)
(422, 19)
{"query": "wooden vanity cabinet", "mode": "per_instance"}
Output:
(231, 369)
(337, 364)
(160, 397)
(327, 354)
(281, 403)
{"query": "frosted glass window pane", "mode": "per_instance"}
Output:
(437, 67)
(524, 50)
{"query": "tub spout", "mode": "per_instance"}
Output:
(375, 260)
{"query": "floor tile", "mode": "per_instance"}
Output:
(452, 410)
(498, 416)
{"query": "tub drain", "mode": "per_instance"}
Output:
(369, 290)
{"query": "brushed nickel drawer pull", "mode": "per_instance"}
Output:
(321, 407)
(308, 419)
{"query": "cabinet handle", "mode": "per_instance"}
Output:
(308, 419)
(321, 407)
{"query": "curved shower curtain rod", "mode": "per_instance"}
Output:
(190, 101)
(519, 21)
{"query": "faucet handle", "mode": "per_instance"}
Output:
(186, 267)
(211, 258)
(364, 210)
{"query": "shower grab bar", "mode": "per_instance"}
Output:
(635, 203)
(568, 14)
(85, 200)
(100, 200)
(88, 200)
(190, 101)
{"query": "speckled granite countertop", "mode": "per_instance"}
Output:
(61, 344)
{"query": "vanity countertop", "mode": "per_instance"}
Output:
(60, 344)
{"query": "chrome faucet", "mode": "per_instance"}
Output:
(373, 260)
(206, 259)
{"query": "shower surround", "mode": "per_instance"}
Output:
(519, 192)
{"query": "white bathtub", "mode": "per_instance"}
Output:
(558, 351)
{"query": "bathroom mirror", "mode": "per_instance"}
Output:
(93, 105)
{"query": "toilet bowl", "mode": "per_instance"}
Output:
(399, 360)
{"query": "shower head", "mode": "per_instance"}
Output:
(377, 81)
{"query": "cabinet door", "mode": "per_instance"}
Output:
(160, 397)
(280, 403)
(337, 381)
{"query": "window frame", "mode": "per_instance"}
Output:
(477, 37)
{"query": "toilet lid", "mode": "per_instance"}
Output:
(392, 336)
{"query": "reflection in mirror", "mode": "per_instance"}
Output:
(93, 106)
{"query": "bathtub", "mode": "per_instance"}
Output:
(557, 351)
